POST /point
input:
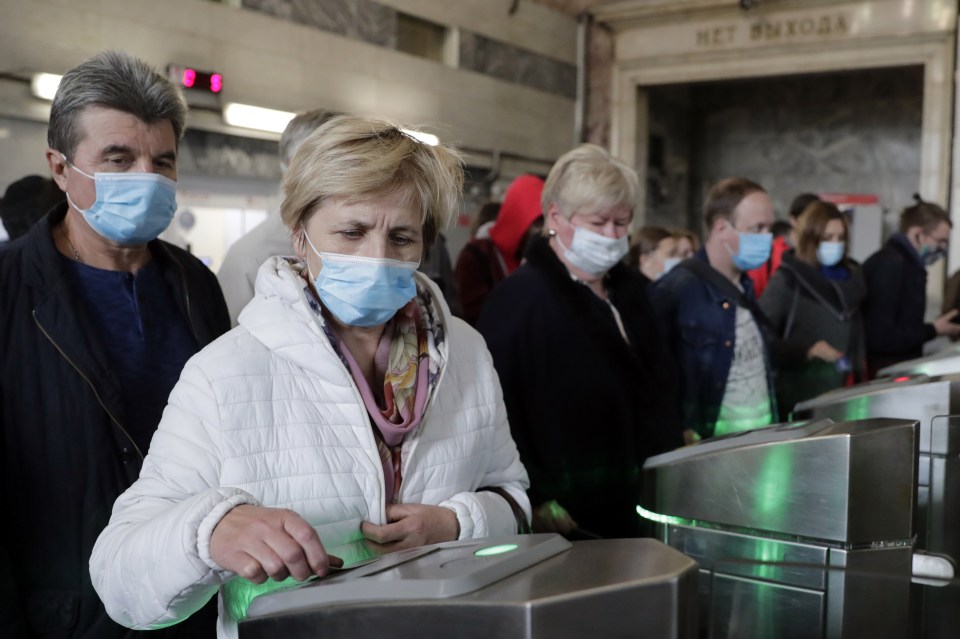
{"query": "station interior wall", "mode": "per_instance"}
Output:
(506, 128)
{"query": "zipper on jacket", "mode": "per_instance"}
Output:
(89, 383)
(359, 398)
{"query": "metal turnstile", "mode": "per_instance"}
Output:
(935, 403)
(522, 586)
(946, 362)
(801, 530)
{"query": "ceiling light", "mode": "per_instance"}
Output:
(44, 85)
(254, 117)
(426, 138)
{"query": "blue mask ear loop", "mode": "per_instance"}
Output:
(315, 252)
(74, 167)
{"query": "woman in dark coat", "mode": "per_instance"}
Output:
(590, 389)
(814, 302)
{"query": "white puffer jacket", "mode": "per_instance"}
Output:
(268, 415)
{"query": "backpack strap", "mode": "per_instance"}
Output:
(843, 315)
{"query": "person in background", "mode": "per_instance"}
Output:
(781, 230)
(782, 242)
(588, 386)
(951, 297)
(687, 243)
(97, 318)
(710, 319)
(484, 262)
(814, 304)
(654, 251)
(348, 415)
(437, 266)
(896, 278)
(26, 201)
(484, 219)
(238, 272)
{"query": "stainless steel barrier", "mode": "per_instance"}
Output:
(536, 586)
(770, 515)
(946, 362)
(935, 403)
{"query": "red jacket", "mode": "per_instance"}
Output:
(761, 276)
(484, 262)
(520, 209)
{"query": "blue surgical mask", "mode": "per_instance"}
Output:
(131, 208)
(754, 250)
(930, 254)
(830, 253)
(669, 264)
(363, 291)
(594, 253)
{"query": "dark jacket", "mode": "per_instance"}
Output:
(699, 324)
(805, 307)
(585, 408)
(479, 269)
(66, 456)
(896, 303)
(761, 276)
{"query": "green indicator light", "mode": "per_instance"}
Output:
(489, 551)
(661, 519)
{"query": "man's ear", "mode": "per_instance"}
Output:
(913, 234)
(720, 224)
(58, 168)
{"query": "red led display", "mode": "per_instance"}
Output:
(190, 78)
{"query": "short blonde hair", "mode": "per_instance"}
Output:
(359, 159)
(589, 178)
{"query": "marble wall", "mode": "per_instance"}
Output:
(357, 19)
(600, 62)
(216, 154)
(852, 132)
(377, 24)
(514, 64)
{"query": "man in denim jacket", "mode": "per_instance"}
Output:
(709, 318)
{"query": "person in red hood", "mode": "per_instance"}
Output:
(483, 262)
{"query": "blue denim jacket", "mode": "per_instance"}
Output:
(699, 324)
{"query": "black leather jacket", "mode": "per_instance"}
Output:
(65, 452)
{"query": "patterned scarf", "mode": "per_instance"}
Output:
(403, 361)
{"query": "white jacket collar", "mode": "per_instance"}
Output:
(279, 315)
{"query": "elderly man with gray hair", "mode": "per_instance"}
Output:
(97, 318)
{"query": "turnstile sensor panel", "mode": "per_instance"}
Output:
(437, 571)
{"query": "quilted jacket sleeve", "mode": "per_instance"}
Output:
(485, 513)
(151, 565)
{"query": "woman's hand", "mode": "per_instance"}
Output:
(823, 350)
(412, 525)
(552, 517)
(257, 543)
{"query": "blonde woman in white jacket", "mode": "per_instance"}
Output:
(348, 415)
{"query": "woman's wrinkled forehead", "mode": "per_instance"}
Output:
(401, 195)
